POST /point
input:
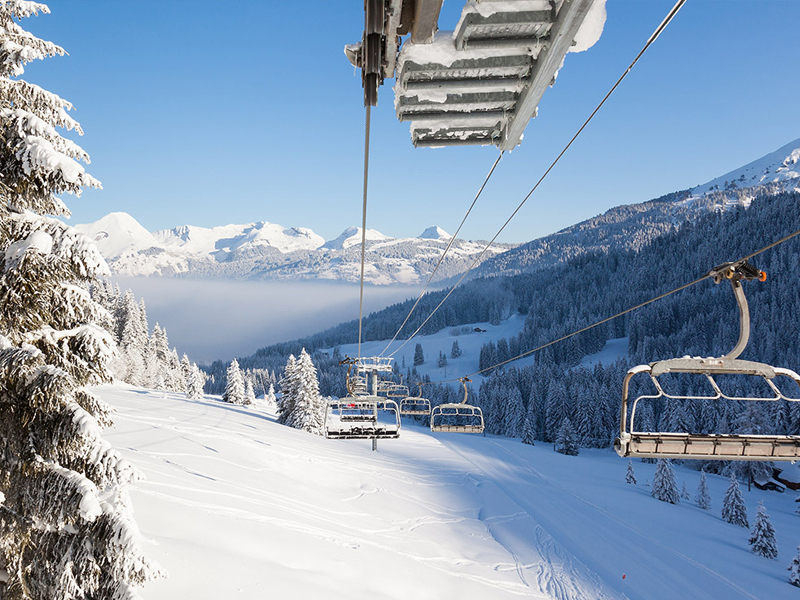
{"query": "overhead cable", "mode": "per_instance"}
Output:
(649, 42)
(624, 312)
(363, 228)
(446, 250)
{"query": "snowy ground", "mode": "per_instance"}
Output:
(470, 343)
(234, 505)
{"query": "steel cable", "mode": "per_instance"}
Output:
(649, 42)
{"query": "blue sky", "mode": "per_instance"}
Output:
(233, 111)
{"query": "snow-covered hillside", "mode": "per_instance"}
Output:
(781, 166)
(631, 227)
(268, 251)
(235, 505)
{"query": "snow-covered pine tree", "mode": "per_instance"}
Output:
(684, 492)
(762, 538)
(249, 394)
(270, 397)
(66, 528)
(794, 569)
(196, 383)
(529, 425)
(514, 416)
(419, 355)
(455, 351)
(309, 407)
(288, 385)
(567, 439)
(734, 510)
(234, 388)
(630, 477)
(702, 496)
(664, 486)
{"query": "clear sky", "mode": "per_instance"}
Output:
(230, 111)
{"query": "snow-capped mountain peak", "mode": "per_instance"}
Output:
(352, 236)
(117, 234)
(434, 233)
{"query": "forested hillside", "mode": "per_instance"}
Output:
(701, 320)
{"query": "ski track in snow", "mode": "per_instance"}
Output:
(441, 517)
(555, 552)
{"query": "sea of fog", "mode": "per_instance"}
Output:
(211, 320)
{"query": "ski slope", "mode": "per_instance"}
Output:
(235, 505)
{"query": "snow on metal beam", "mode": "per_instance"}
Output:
(562, 35)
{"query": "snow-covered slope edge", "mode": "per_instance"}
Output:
(266, 250)
(234, 503)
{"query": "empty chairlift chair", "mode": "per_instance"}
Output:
(633, 442)
(457, 417)
(415, 406)
(362, 417)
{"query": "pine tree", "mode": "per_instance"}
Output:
(664, 486)
(762, 538)
(455, 352)
(514, 416)
(66, 527)
(288, 384)
(702, 496)
(195, 383)
(794, 569)
(249, 394)
(529, 425)
(567, 439)
(629, 476)
(684, 492)
(271, 395)
(234, 388)
(442, 362)
(419, 355)
(309, 407)
(734, 510)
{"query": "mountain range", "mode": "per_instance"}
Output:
(268, 251)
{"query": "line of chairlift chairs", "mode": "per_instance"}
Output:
(373, 406)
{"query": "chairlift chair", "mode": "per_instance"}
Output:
(415, 405)
(362, 417)
(710, 446)
(457, 417)
(397, 390)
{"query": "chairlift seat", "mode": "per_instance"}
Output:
(415, 406)
(362, 417)
(457, 418)
(711, 446)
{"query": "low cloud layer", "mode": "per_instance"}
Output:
(211, 320)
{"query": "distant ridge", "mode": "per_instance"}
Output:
(269, 251)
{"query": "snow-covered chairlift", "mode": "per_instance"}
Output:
(711, 446)
(415, 405)
(457, 417)
(362, 417)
